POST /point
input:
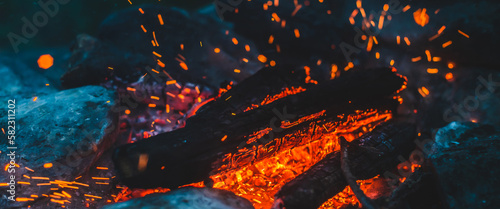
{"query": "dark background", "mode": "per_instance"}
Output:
(76, 17)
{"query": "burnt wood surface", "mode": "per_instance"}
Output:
(188, 154)
(370, 155)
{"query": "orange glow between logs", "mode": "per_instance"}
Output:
(258, 182)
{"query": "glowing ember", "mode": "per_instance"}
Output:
(235, 41)
(447, 44)
(45, 61)
(449, 76)
(297, 33)
(432, 70)
(423, 91)
(421, 17)
(284, 93)
(463, 34)
(262, 58)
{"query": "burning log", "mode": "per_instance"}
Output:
(209, 138)
(370, 155)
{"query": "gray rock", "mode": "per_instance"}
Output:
(69, 129)
(187, 198)
(464, 160)
(452, 132)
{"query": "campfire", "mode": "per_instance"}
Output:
(261, 104)
(257, 169)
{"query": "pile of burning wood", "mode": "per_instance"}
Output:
(289, 146)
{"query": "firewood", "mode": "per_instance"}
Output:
(191, 153)
(370, 155)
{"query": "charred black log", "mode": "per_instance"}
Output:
(188, 155)
(370, 155)
(268, 81)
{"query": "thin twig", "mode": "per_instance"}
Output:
(351, 180)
